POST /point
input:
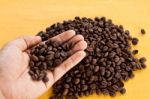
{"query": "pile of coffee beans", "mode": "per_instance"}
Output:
(47, 56)
(109, 61)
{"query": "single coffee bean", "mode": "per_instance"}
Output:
(84, 87)
(134, 52)
(143, 65)
(77, 81)
(45, 79)
(123, 91)
(96, 69)
(135, 41)
(142, 60)
(143, 31)
(65, 92)
(34, 58)
(66, 86)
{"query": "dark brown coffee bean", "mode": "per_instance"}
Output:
(65, 92)
(31, 63)
(41, 76)
(135, 41)
(102, 71)
(98, 91)
(77, 81)
(57, 54)
(31, 72)
(34, 77)
(49, 57)
(123, 91)
(105, 91)
(42, 58)
(45, 79)
(93, 86)
(143, 31)
(42, 50)
(57, 62)
(66, 86)
(68, 79)
(34, 58)
(44, 64)
(96, 69)
(94, 61)
(115, 87)
(142, 60)
(134, 52)
(84, 87)
(112, 93)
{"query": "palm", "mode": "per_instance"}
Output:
(17, 82)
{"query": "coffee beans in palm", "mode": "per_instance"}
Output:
(46, 56)
(108, 63)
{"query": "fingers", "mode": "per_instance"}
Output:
(68, 64)
(24, 43)
(76, 39)
(81, 45)
(65, 36)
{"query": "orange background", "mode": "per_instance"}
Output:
(27, 17)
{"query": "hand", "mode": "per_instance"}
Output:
(15, 82)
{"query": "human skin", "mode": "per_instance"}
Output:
(16, 83)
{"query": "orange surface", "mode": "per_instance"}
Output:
(27, 17)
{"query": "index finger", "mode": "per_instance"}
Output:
(63, 37)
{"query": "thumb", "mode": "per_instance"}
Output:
(26, 42)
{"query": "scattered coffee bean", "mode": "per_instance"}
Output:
(135, 41)
(143, 65)
(109, 60)
(142, 60)
(123, 91)
(143, 31)
(134, 52)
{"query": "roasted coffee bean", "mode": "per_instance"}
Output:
(143, 65)
(96, 69)
(66, 86)
(112, 93)
(142, 60)
(68, 79)
(135, 41)
(65, 92)
(31, 63)
(34, 58)
(49, 57)
(42, 58)
(84, 87)
(123, 91)
(109, 60)
(135, 52)
(45, 79)
(93, 86)
(77, 81)
(143, 31)
(115, 87)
